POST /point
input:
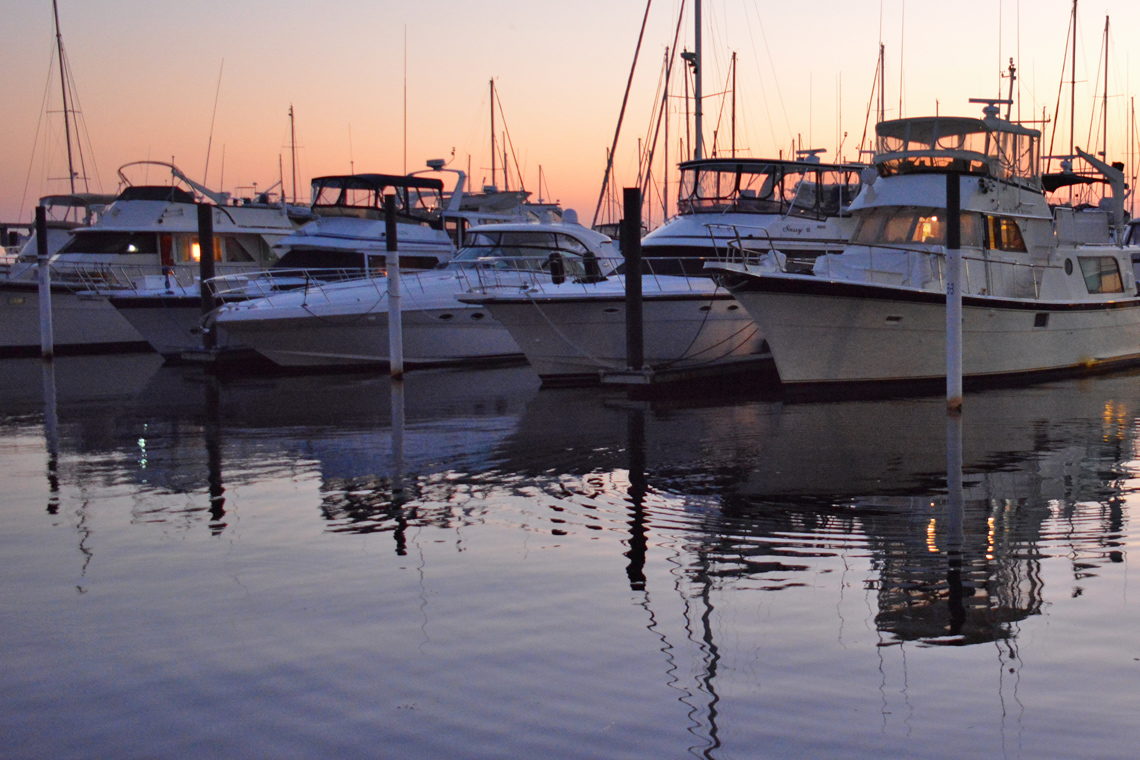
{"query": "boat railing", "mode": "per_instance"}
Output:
(739, 241)
(926, 268)
(100, 278)
(661, 272)
(267, 283)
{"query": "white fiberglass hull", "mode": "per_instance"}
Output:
(171, 325)
(576, 336)
(431, 337)
(823, 331)
(350, 327)
(80, 323)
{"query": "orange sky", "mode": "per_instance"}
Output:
(147, 75)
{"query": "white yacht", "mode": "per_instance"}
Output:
(149, 233)
(1040, 292)
(730, 208)
(346, 240)
(345, 323)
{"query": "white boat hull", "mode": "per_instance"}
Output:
(80, 323)
(451, 335)
(570, 339)
(830, 332)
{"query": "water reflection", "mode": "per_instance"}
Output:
(1036, 468)
(700, 514)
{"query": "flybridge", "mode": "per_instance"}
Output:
(990, 147)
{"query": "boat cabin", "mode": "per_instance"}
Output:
(761, 186)
(418, 199)
(538, 250)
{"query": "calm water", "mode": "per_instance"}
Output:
(280, 568)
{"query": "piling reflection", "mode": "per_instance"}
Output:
(754, 491)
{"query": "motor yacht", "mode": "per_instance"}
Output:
(345, 240)
(1040, 292)
(575, 332)
(148, 234)
(345, 323)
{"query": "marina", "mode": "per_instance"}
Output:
(817, 439)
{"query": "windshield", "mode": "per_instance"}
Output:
(341, 197)
(776, 188)
(522, 249)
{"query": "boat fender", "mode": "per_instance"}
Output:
(557, 268)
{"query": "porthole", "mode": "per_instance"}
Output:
(478, 315)
(706, 308)
(611, 310)
(733, 307)
(1068, 266)
(446, 316)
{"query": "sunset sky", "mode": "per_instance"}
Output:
(148, 72)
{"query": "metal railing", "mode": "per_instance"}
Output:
(926, 269)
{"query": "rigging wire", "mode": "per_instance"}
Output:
(621, 113)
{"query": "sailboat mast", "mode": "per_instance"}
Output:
(882, 82)
(734, 104)
(63, 93)
(1104, 111)
(494, 149)
(293, 150)
(1073, 85)
(698, 109)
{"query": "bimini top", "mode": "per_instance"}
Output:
(376, 181)
(942, 144)
(362, 195)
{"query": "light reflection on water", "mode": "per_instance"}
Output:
(272, 567)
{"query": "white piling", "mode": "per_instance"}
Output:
(953, 295)
(395, 319)
(43, 272)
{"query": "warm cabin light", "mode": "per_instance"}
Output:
(928, 228)
(195, 252)
(132, 248)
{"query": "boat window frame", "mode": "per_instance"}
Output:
(1100, 278)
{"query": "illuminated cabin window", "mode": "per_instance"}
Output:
(910, 224)
(1003, 234)
(1101, 274)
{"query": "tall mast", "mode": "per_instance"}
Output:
(493, 148)
(697, 105)
(64, 94)
(882, 82)
(734, 104)
(293, 150)
(1104, 112)
(1073, 85)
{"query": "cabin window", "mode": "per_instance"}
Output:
(98, 241)
(899, 226)
(1003, 234)
(1102, 274)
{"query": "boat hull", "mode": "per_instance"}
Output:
(451, 335)
(822, 331)
(81, 324)
(570, 340)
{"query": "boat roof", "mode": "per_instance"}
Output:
(761, 164)
(930, 128)
(167, 193)
(566, 228)
(377, 181)
(77, 200)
